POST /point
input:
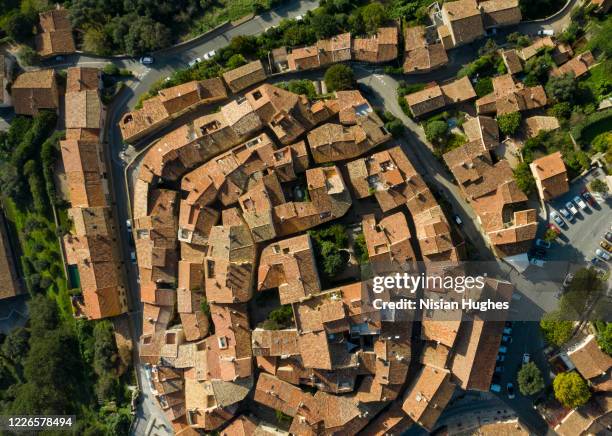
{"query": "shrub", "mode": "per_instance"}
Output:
(361, 249)
(571, 389)
(530, 379)
(600, 186)
(550, 235)
(556, 331)
(27, 56)
(483, 86)
(524, 178)
(111, 69)
(436, 131)
(562, 88)
(339, 77)
(604, 337)
(509, 123)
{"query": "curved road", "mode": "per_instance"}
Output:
(149, 419)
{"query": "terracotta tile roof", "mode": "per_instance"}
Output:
(500, 12)
(242, 77)
(388, 242)
(536, 124)
(9, 280)
(458, 91)
(229, 264)
(577, 66)
(340, 414)
(509, 96)
(425, 400)
(168, 104)
(241, 426)
(550, 175)
(392, 421)
(291, 400)
(83, 110)
(463, 20)
(419, 55)
(590, 360)
(482, 129)
(289, 265)
(512, 427)
(381, 47)
(335, 49)
(82, 165)
(473, 361)
(533, 49)
(304, 58)
(512, 61)
(281, 343)
(34, 90)
(56, 37)
(82, 79)
(592, 418)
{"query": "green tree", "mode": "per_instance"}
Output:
(571, 389)
(601, 40)
(604, 337)
(436, 131)
(562, 88)
(339, 77)
(556, 331)
(43, 315)
(483, 86)
(323, 25)
(283, 315)
(561, 110)
(374, 16)
(105, 350)
(145, 35)
(509, 123)
(530, 379)
(361, 249)
(27, 56)
(600, 186)
(96, 41)
(235, 61)
(19, 26)
(15, 346)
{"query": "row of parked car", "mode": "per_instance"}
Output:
(571, 208)
(499, 365)
(606, 247)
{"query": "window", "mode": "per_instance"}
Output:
(210, 267)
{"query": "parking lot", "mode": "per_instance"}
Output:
(580, 238)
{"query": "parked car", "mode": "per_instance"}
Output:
(555, 228)
(503, 349)
(596, 261)
(540, 253)
(602, 254)
(211, 54)
(526, 358)
(507, 330)
(570, 206)
(510, 389)
(536, 262)
(589, 198)
(457, 219)
(542, 243)
(500, 358)
(608, 236)
(606, 246)
(195, 61)
(499, 369)
(132, 256)
(556, 218)
(546, 32)
(128, 226)
(580, 202)
(566, 214)
(147, 60)
(506, 339)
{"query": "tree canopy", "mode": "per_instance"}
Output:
(509, 123)
(530, 379)
(571, 389)
(556, 330)
(339, 77)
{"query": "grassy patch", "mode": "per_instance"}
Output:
(598, 81)
(221, 11)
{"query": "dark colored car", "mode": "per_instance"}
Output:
(589, 198)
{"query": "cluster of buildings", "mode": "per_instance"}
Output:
(221, 209)
(91, 245)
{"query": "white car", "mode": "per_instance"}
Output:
(546, 32)
(566, 214)
(147, 60)
(556, 218)
(526, 358)
(210, 54)
(603, 254)
(580, 202)
(571, 207)
(195, 61)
